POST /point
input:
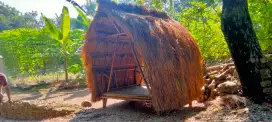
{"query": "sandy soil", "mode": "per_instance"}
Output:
(123, 111)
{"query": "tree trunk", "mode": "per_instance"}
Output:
(244, 46)
(65, 68)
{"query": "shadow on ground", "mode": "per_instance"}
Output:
(76, 94)
(34, 96)
(60, 95)
(125, 111)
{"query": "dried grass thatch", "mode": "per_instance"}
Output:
(171, 58)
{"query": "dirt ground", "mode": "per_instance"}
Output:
(123, 111)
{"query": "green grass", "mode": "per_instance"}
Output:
(34, 79)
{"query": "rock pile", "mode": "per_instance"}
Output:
(223, 79)
(220, 80)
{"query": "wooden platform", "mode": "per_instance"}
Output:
(134, 93)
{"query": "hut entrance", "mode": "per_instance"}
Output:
(117, 66)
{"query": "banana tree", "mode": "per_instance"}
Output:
(61, 35)
(85, 21)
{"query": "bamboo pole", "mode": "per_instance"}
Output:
(115, 76)
(138, 63)
(134, 54)
(112, 62)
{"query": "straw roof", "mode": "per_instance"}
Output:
(171, 57)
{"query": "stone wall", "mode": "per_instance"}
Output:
(266, 73)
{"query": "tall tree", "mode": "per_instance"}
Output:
(12, 18)
(244, 46)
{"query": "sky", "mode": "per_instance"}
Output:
(48, 7)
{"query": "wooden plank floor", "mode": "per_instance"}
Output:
(135, 93)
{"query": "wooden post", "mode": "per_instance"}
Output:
(104, 102)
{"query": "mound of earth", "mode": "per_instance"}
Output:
(35, 110)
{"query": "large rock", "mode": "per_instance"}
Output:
(265, 74)
(227, 87)
(267, 83)
(86, 104)
(267, 90)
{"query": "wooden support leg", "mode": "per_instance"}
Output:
(190, 104)
(104, 102)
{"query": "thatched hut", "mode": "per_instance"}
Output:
(128, 47)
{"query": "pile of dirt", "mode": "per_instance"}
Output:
(35, 110)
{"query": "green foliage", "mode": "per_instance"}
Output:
(65, 24)
(53, 30)
(140, 2)
(261, 13)
(202, 19)
(84, 21)
(11, 18)
(65, 41)
(26, 51)
(204, 23)
(158, 4)
(30, 51)
(90, 7)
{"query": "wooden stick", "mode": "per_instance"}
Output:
(116, 83)
(134, 78)
(134, 54)
(138, 63)
(106, 76)
(112, 63)
(127, 78)
(141, 81)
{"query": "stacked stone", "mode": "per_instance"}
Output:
(266, 74)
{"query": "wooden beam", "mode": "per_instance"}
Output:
(148, 99)
(115, 35)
